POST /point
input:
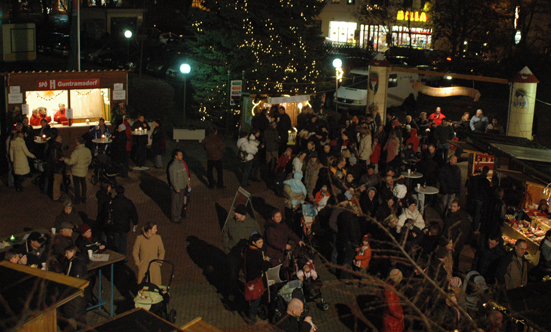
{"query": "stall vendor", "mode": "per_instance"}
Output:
(61, 115)
(39, 114)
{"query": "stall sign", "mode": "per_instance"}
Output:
(68, 84)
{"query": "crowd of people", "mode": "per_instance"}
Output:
(353, 172)
(350, 170)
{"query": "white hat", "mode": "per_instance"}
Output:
(400, 191)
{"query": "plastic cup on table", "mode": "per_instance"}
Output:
(53, 230)
(90, 254)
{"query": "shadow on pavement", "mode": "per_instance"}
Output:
(196, 166)
(212, 260)
(126, 283)
(372, 307)
(231, 163)
(158, 191)
(222, 214)
(350, 320)
(261, 207)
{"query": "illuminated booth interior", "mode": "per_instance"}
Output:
(90, 104)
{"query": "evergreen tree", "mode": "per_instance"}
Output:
(275, 44)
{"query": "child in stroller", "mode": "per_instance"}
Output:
(105, 170)
(155, 298)
(307, 273)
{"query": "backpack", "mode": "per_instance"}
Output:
(242, 155)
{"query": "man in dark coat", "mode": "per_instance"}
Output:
(443, 134)
(487, 257)
(34, 249)
(493, 213)
(271, 141)
(260, 121)
(457, 227)
(70, 215)
(349, 238)
(294, 320)
(277, 237)
(141, 145)
(284, 124)
(123, 211)
(215, 148)
(479, 190)
(450, 183)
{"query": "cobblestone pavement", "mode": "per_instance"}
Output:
(195, 246)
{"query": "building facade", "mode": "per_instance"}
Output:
(366, 24)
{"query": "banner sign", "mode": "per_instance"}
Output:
(292, 99)
(68, 84)
(447, 92)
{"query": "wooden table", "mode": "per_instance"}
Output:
(114, 257)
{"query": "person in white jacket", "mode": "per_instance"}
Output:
(365, 148)
(411, 213)
(250, 146)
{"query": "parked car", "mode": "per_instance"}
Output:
(63, 46)
(45, 42)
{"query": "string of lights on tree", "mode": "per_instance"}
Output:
(271, 41)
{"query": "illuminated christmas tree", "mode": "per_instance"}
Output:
(276, 45)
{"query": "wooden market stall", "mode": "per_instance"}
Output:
(524, 164)
(31, 297)
(87, 96)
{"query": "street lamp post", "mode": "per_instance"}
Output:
(127, 35)
(185, 69)
(337, 63)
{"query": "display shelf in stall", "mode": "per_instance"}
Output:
(530, 232)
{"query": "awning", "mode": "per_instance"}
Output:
(521, 177)
(525, 153)
(466, 147)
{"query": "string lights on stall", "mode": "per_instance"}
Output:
(48, 95)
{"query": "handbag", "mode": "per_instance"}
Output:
(254, 288)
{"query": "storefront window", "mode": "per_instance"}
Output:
(373, 37)
(86, 103)
(420, 38)
(342, 32)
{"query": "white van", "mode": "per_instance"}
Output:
(352, 94)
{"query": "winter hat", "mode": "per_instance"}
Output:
(372, 188)
(313, 154)
(241, 209)
(84, 228)
(66, 225)
(68, 203)
(352, 160)
(395, 275)
(36, 236)
(290, 151)
(455, 282)
(400, 191)
(309, 264)
(366, 237)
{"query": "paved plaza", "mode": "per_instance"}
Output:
(195, 246)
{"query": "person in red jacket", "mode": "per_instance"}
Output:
(393, 315)
(61, 115)
(363, 254)
(376, 154)
(414, 139)
(437, 116)
(39, 114)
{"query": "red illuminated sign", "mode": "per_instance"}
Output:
(87, 83)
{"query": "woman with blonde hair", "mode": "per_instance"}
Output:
(149, 246)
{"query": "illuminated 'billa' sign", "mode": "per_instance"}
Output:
(411, 16)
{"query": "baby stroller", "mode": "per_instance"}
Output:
(155, 298)
(311, 288)
(105, 170)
